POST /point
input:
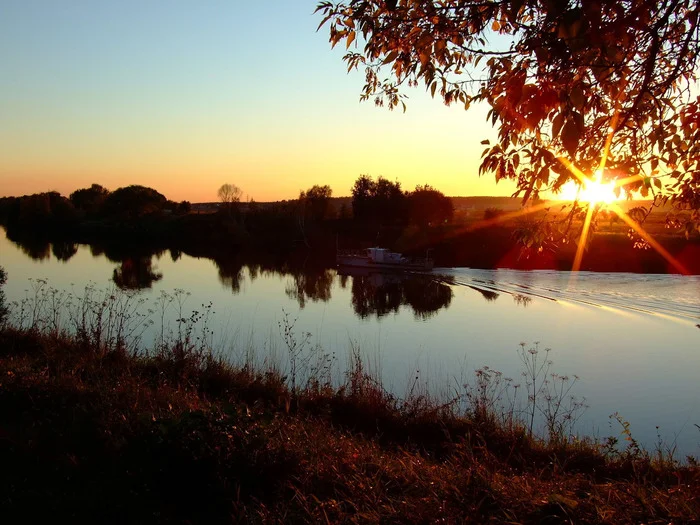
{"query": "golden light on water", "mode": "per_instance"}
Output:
(591, 190)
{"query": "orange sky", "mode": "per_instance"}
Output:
(190, 97)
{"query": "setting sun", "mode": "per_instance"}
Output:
(593, 190)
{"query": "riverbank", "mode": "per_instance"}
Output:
(281, 242)
(474, 236)
(94, 433)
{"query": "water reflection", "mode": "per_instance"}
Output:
(118, 252)
(522, 300)
(314, 285)
(33, 247)
(372, 294)
(489, 295)
(136, 273)
(64, 250)
(231, 273)
(381, 294)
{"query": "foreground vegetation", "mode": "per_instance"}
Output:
(94, 431)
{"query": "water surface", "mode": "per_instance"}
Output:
(632, 339)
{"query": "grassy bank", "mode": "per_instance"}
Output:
(92, 432)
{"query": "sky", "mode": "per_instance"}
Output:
(185, 95)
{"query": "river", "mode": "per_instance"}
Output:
(632, 340)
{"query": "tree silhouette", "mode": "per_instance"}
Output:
(134, 201)
(378, 201)
(315, 202)
(229, 195)
(429, 206)
(89, 200)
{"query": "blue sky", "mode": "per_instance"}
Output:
(186, 95)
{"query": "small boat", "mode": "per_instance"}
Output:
(382, 259)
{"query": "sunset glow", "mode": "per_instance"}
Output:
(168, 108)
(593, 191)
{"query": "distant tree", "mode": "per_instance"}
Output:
(9, 210)
(390, 201)
(313, 206)
(362, 193)
(62, 209)
(34, 209)
(229, 195)
(89, 200)
(134, 201)
(184, 208)
(429, 207)
(48, 210)
(315, 202)
(380, 201)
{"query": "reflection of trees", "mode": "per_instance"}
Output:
(380, 294)
(96, 251)
(230, 273)
(64, 250)
(33, 247)
(522, 300)
(119, 251)
(136, 273)
(487, 294)
(310, 284)
(426, 296)
(371, 296)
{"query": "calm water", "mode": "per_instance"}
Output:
(632, 339)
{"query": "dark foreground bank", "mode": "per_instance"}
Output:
(94, 435)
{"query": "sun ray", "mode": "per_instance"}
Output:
(627, 180)
(508, 216)
(611, 131)
(573, 169)
(582, 240)
(649, 239)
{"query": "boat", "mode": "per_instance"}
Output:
(382, 259)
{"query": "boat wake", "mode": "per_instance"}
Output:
(673, 296)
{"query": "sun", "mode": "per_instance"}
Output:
(592, 190)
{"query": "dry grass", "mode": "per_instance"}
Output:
(180, 437)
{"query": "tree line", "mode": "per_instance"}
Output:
(377, 202)
(93, 203)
